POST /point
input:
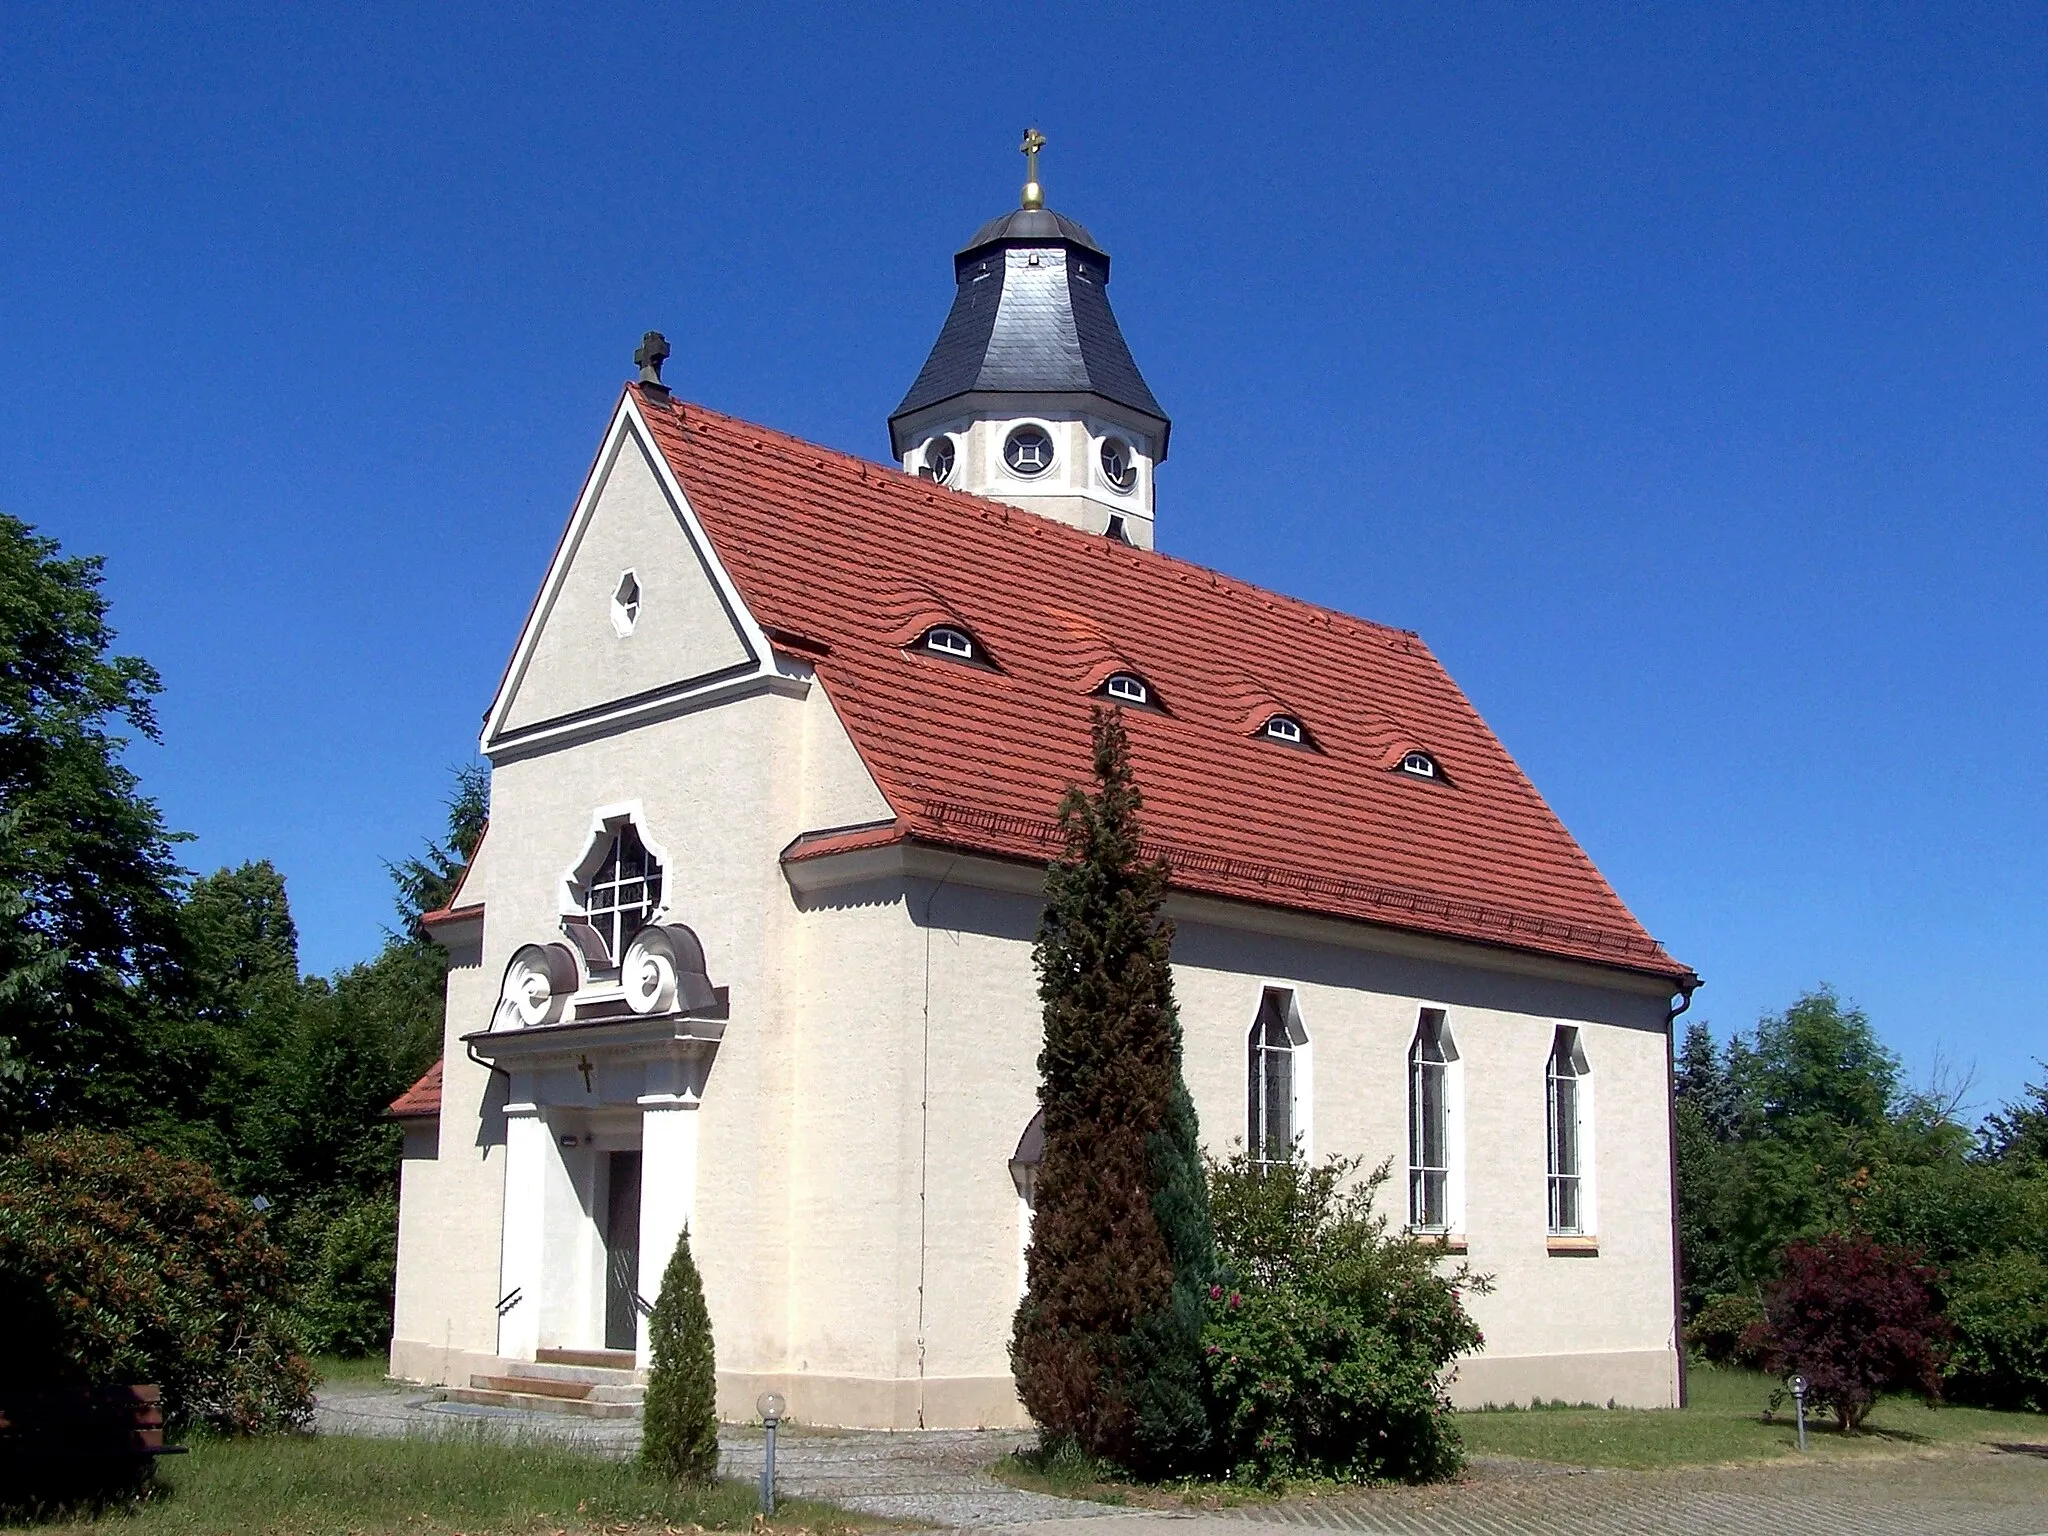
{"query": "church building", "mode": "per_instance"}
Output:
(747, 947)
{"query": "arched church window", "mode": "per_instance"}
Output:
(1119, 466)
(1028, 451)
(623, 891)
(1276, 1080)
(1285, 728)
(1430, 1128)
(1421, 764)
(938, 460)
(1567, 1094)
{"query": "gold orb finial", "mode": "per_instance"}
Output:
(1034, 195)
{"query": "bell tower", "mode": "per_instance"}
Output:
(1030, 395)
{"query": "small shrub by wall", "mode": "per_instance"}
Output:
(1329, 1342)
(120, 1265)
(1720, 1331)
(347, 1306)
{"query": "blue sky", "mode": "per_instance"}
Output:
(1681, 373)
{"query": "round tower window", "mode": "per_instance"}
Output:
(938, 460)
(1119, 468)
(1028, 451)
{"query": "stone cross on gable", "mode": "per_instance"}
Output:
(652, 354)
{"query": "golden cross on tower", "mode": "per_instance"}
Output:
(1034, 141)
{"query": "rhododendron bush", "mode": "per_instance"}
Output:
(119, 1265)
(1328, 1343)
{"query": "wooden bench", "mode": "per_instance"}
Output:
(62, 1441)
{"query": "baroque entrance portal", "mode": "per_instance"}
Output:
(606, 1072)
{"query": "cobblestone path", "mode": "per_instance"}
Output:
(938, 1478)
(1983, 1493)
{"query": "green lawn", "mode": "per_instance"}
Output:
(341, 1371)
(307, 1484)
(1724, 1423)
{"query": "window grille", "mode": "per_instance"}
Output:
(1566, 1213)
(1429, 1126)
(1269, 1108)
(623, 892)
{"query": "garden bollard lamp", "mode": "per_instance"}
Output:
(1798, 1410)
(771, 1408)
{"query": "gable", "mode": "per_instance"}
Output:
(684, 630)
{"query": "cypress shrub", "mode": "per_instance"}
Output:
(1107, 1343)
(679, 1434)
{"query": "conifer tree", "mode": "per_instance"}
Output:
(679, 1430)
(1107, 1342)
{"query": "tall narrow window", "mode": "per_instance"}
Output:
(623, 891)
(1273, 1079)
(1566, 1076)
(1429, 1125)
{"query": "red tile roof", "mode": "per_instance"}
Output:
(847, 562)
(422, 1099)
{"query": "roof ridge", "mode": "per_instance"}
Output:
(865, 468)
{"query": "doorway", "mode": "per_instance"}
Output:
(622, 1252)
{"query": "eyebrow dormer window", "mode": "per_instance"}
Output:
(1421, 764)
(1127, 688)
(943, 640)
(1284, 728)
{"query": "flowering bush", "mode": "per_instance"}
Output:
(1856, 1319)
(119, 1265)
(1328, 1345)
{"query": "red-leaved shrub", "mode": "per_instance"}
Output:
(1857, 1320)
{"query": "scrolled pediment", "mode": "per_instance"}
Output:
(539, 983)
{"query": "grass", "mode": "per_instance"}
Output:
(312, 1485)
(1724, 1423)
(342, 1371)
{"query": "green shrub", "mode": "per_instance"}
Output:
(1721, 1331)
(1329, 1342)
(347, 1309)
(679, 1434)
(120, 1265)
(1999, 1310)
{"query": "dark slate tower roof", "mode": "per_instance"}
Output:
(1018, 329)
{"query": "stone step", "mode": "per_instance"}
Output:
(545, 1386)
(599, 1359)
(538, 1402)
(536, 1370)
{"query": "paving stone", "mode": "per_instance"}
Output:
(939, 1478)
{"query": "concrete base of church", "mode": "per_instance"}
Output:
(437, 1365)
(874, 1402)
(1628, 1378)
